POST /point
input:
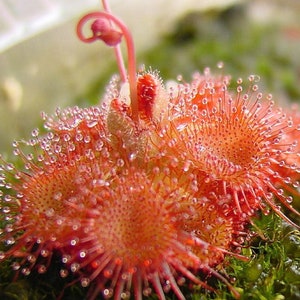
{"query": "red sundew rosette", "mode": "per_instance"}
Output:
(236, 139)
(188, 98)
(212, 218)
(134, 242)
(85, 127)
(289, 166)
(215, 222)
(76, 198)
(215, 193)
(41, 205)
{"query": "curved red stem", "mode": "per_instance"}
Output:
(130, 51)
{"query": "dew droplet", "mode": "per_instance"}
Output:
(289, 199)
(9, 228)
(239, 89)
(35, 132)
(120, 162)
(74, 242)
(44, 253)
(41, 269)
(239, 80)
(57, 196)
(50, 212)
(66, 137)
(15, 266)
(8, 185)
(71, 147)
(63, 273)
(245, 97)
(85, 281)
(87, 139)
(65, 258)
(99, 145)
(296, 184)
(181, 280)
(92, 123)
(125, 295)
(6, 209)
(147, 291)
(79, 137)
(280, 192)
(25, 271)
(179, 77)
(74, 267)
(9, 167)
(16, 152)
(31, 258)
(107, 293)
(220, 65)
(15, 144)
(82, 254)
(132, 156)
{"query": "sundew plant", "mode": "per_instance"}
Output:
(178, 189)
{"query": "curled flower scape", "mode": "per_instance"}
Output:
(152, 188)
